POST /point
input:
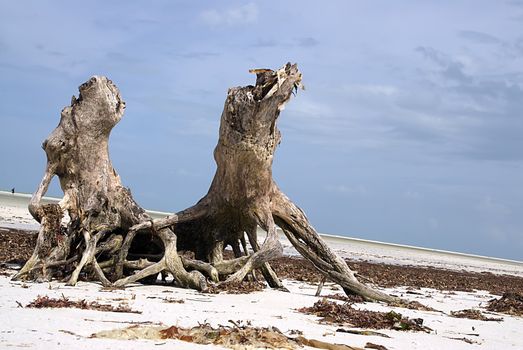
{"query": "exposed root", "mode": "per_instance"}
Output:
(208, 269)
(308, 243)
(88, 256)
(266, 269)
(171, 262)
(49, 244)
(270, 249)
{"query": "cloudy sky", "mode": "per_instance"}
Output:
(410, 129)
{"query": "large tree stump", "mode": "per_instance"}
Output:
(99, 209)
(108, 237)
(243, 194)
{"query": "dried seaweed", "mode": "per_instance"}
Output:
(244, 287)
(335, 313)
(375, 346)
(509, 303)
(63, 302)
(16, 246)
(466, 340)
(473, 314)
(390, 276)
(296, 269)
(352, 298)
(173, 301)
(414, 305)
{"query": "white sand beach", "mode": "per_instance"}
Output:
(65, 328)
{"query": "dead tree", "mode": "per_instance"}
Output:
(243, 193)
(98, 208)
(109, 238)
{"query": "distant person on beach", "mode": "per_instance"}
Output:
(13, 190)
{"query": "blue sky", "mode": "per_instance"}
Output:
(410, 129)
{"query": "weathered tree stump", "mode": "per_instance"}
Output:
(243, 193)
(109, 238)
(100, 210)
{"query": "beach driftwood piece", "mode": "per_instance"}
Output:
(110, 238)
(100, 210)
(243, 194)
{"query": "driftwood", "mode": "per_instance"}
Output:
(107, 227)
(100, 210)
(243, 193)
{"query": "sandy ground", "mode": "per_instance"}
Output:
(64, 328)
(16, 217)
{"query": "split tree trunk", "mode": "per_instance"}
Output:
(243, 193)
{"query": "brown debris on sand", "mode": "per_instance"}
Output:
(509, 303)
(352, 298)
(335, 313)
(391, 276)
(173, 301)
(414, 305)
(297, 269)
(473, 314)
(234, 337)
(375, 346)
(63, 302)
(244, 287)
(464, 339)
(16, 246)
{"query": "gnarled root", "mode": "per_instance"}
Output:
(51, 245)
(88, 258)
(265, 268)
(217, 269)
(170, 262)
(270, 249)
(308, 243)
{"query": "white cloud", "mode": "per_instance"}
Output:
(244, 14)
